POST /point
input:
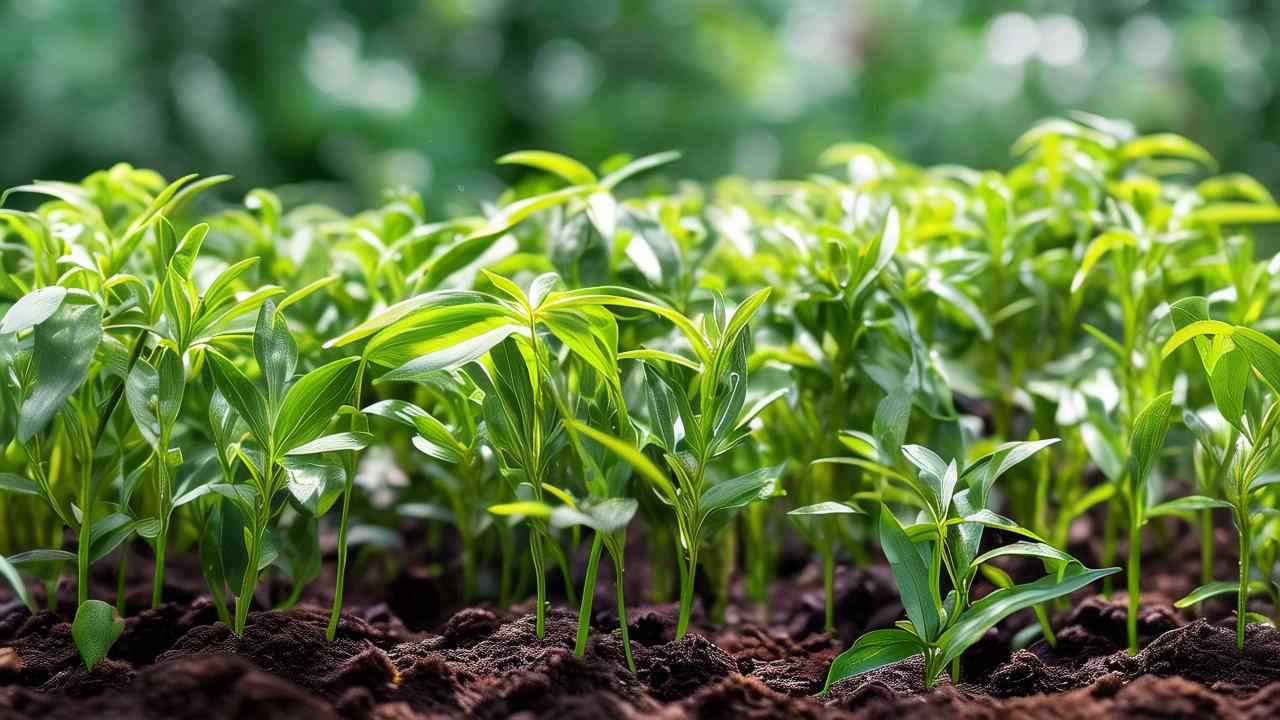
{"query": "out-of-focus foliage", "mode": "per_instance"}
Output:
(427, 92)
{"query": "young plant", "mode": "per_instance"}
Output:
(953, 510)
(1230, 355)
(446, 330)
(941, 629)
(285, 418)
(689, 440)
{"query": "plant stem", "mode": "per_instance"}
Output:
(247, 584)
(1242, 595)
(86, 534)
(588, 595)
(157, 586)
(539, 578)
(618, 569)
(1134, 580)
(686, 593)
(349, 464)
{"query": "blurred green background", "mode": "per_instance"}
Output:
(356, 95)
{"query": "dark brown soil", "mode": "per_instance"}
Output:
(178, 661)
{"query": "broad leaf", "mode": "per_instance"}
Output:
(95, 630)
(312, 402)
(64, 348)
(873, 650)
(32, 309)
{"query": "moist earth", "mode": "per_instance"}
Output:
(178, 661)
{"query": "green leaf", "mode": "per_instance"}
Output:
(312, 402)
(987, 518)
(95, 629)
(10, 574)
(990, 467)
(441, 338)
(276, 353)
(64, 348)
(1195, 330)
(662, 409)
(404, 309)
(337, 442)
(609, 515)
(826, 508)
(314, 484)
(1098, 493)
(1228, 372)
(10, 483)
(522, 509)
(142, 392)
(974, 622)
(637, 166)
(1149, 430)
(591, 333)
(1052, 556)
(633, 457)
(243, 397)
(1187, 504)
(439, 441)
(721, 501)
(32, 309)
(572, 171)
(889, 426)
(1235, 213)
(1099, 247)
(109, 533)
(511, 215)
(1264, 355)
(1216, 588)
(912, 576)
(1166, 145)
(873, 650)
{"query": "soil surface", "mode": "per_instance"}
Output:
(403, 652)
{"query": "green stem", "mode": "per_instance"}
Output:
(1042, 616)
(540, 580)
(248, 583)
(157, 583)
(618, 570)
(588, 595)
(86, 535)
(1134, 581)
(686, 593)
(349, 465)
(1242, 595)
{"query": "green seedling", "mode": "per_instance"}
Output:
(1230, 355)
(285, 418)
(939, 629)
